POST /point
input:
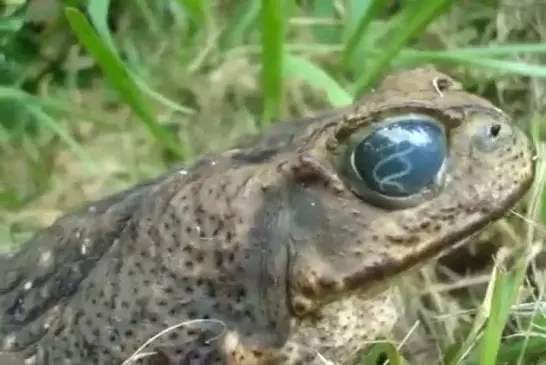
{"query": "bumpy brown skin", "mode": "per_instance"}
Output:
(268, 241)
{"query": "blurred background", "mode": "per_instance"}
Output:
(98, 95)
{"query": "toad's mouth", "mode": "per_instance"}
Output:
(392, 267)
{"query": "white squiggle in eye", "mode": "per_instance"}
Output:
(401, 158)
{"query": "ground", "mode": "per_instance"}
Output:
(209, 75)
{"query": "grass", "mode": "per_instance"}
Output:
(89, 108)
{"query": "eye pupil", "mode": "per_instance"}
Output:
(401, 158)
(495, 130)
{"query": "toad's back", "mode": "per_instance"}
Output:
(276, 250)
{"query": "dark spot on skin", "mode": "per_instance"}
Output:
(396, 239)
(200, 256)
(231, 257)
(300, 307)
(326, 284)
(308, 290)
(424, 225)
(254, 156)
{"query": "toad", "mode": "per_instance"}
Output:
(283, 250)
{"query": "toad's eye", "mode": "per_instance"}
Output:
(401, 158)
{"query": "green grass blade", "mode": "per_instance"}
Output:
(491, 51)
(538, 195)
(414, 18)
(273, 14)
(160, 98)
(151, 20)
(325, 33)
(11, 6)
(244, 17)
(505, 67)
(536, 206)
(10, 199)
(356, 36)
(501, 66)
(455, 354)
(382, 351)
(484, 338)
(11, 25)
(517, 352)
(55, 105)
(121, 80)
(295, 66)
(98, 12)
(63, 135)
(505, 294)
(196, 9)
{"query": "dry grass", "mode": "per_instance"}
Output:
(216, 94)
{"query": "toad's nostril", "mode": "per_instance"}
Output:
(495, 130)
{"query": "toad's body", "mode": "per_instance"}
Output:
(272, 253)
